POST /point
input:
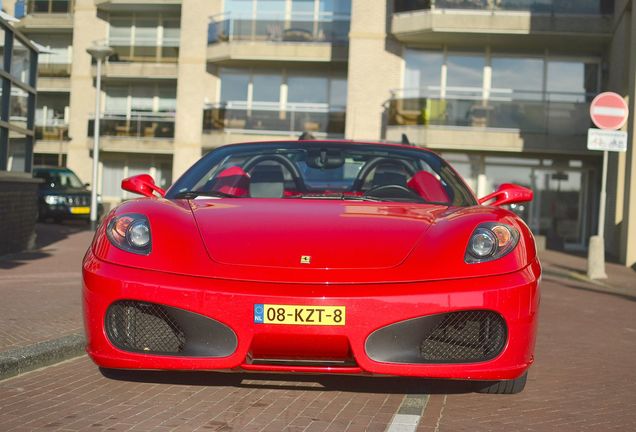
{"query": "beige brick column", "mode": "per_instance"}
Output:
(87, 29)
(194, 84)
(375, 67)
(628, 226)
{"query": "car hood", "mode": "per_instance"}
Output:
(319, 234)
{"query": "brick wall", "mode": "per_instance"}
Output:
(18, 212)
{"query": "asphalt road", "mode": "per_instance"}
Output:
(584, 379)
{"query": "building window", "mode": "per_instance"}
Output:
(144, 38)
(515, 78)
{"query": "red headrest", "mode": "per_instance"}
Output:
(428, 187)
(233, 181)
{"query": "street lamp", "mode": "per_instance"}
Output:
(99, 53)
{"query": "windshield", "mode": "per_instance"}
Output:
(59, 179)
(324, 170)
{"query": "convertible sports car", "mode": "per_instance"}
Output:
(316, 257)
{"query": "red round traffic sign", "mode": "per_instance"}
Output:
(609, 111)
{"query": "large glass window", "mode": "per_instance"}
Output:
(423, 72)
(234, 83)
(514, 78)
(17, 152)
(140, 98)
(266, 87)
(465, 76)
(572, 81)
(307, 89)
(144, 37)
(21, 62)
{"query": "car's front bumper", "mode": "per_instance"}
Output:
(369, 307)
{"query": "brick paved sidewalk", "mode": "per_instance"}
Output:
(41, 289)
(620, 280)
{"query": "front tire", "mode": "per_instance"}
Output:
(506, 387)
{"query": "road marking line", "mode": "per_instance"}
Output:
(409, 414)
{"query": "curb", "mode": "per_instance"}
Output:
(20, 360)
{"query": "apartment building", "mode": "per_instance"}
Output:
(500, 87)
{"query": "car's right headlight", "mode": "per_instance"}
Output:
(490, 241)
(54, 199)
(130, 232)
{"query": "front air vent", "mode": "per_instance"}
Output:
(455, 337)
(150, 328)
(144, 327)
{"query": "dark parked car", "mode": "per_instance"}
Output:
(62, 195)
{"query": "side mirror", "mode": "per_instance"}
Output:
(507, 193)
(142, 184)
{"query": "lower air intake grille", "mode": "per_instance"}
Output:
(468, 336)
(144, 327)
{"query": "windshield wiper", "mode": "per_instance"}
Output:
(194, 194)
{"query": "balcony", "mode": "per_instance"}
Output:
(233, 39)
(541, 122)
(51, 132)
(146, 59)
(47, 15)
(54, 70)
(137, 132)
(533, 23)
(141, 5)
(273, 121)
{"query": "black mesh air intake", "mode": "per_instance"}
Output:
(145, 327)
(469, 336)
(455, 337)
(151, 328)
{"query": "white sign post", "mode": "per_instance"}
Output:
(609, 112)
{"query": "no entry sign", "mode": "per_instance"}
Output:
(609, 111)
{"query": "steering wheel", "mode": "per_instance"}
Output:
(374, 163)
(281, 160)
(394, 192)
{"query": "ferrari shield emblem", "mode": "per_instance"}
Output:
(305, 259)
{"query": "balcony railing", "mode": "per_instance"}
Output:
(50, 6)
(586, 7)
(561, 114)
(275, 28)
(51, 132)
(54, 70)
(274, 120)
(135, 125)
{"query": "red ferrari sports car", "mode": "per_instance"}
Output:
(316, 257)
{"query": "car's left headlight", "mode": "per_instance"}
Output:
(130, 232)
(490, 241)
(54, 199)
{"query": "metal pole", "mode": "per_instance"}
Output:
(601, 206)
(98, 86)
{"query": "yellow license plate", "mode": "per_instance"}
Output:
(299, 314)
(80, 210)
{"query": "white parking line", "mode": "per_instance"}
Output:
(409, 414)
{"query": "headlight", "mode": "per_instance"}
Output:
(54, 199)
(130, 232)
(490, 241)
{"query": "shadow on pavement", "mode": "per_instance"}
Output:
(345, 383)
(46, 234)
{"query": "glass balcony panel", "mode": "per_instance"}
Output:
(275, 28)
(54, 69)
(137, 125)
(542, 115)
(272, 120)
(586, 7)
(51, 132)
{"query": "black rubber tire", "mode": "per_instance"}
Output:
(506, 387)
